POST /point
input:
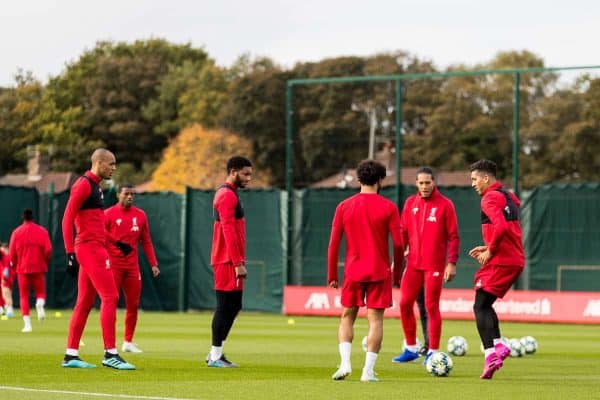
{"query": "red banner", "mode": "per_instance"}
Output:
(517, 305)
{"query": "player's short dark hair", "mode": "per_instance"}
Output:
(426, 170)
(237, 162)
(369, 172)
(484, 166)
(125, 185)
(28, 214)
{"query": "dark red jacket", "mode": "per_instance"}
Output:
(430, 228)
(229, 228)
(30, 249)
(85, 210)
(501, 227)
(367, 221)
(129, 225)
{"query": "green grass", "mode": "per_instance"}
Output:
(281, 360)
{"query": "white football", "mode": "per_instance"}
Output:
(457, 346)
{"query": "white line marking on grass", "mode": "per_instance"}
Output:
(122, 396)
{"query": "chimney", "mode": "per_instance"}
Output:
(37, 164)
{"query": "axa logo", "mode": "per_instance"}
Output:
(592, 309)
(432, 217)
(317, 301)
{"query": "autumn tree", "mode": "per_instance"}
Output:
(197, 158)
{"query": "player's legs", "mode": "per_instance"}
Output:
(24, 285)
(433, 291)
(488, 328)
(374, 339)
(345, 336)
(132, 289)
(411, 284)
(233, 305)
(86, 294)
(94, 261)
(8, 302)
(424, 321)
(38, 281)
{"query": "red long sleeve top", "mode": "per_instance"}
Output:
(30, 249)
(367, 220)
(501, 227)
(128, 225)
(229, 228)
(85, 210)
(430, 228)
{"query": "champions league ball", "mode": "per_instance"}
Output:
(529, 344)
(457, 346)
(364, 344)
(439, 364)
(516, 348)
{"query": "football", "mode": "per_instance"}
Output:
(529, 344)
(457, 346)
(364, 344)
(439, 364)
(516, 348)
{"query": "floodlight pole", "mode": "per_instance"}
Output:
(289, 178)
(515, 151)
(398, 166)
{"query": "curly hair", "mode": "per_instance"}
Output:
(369, 172)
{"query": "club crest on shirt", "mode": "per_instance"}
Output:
(415, 210)
(135, 227)
(432, 217)
(118, 221)
(107, 263)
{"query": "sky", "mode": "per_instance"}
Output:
(42, 36)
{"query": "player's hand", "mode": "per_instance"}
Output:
(6, 272)
(333, 284)
(72, 265)
(124, 247)
(484, 257)
(449, 272)
(240, 271)
(475, 251)
(155, 271)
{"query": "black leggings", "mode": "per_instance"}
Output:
(486, 318)
(229, 305)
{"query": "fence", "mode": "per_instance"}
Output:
(559, 223)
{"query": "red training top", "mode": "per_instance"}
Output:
(430, 228)
(85, 210)
(128, 225)
(500, 226)
(229, 228)
(30, 249)
(366, 220)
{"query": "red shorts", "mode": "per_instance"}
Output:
(496, 279)
(8, 283)
(225, 278)
(372, 294)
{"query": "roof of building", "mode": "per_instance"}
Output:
(61, 180)
(348, 179)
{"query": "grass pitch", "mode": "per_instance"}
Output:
(280, 359)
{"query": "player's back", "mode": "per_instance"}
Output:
(367, 219)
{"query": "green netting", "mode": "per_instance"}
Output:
(13, 200)
(264, 250)
(563, 229)
(164, 216)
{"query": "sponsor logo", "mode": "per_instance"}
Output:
(592, 309)
(317, 301)
(432, 217)
(536, 307)
(415, 210)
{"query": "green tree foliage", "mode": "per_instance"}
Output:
(109, 87)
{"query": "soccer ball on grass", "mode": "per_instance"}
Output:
(457, 346)
(439, 364)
